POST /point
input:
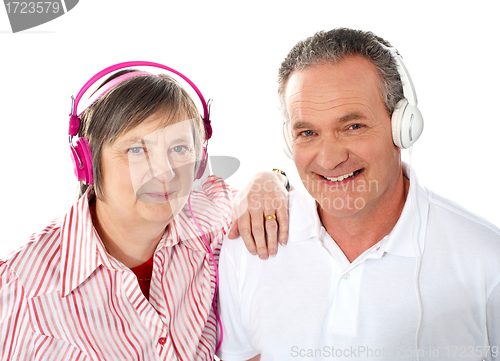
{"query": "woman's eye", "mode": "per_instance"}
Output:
(136, 150)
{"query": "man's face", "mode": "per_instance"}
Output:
(341, 136)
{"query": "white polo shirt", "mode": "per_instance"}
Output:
(310, 303)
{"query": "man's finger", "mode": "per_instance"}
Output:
(258, 233)
(283, 221)
(271, 226)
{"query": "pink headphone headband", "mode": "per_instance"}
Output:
(110, 85)
(106, 87)
(81, 154)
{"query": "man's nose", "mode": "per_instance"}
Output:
(331, 152)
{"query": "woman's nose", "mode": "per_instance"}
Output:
(163, 168)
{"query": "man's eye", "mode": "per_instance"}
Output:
(306, 133)
(355, 126)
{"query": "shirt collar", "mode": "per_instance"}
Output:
(183, 230)
(398, 241)
(82, 251)
(411, 226)
(209, 216)
(304, 209)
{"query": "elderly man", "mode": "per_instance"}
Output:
(376, 266)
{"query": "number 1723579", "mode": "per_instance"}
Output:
(471, 351)
(31, 7)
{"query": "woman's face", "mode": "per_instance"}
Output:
(147, 172)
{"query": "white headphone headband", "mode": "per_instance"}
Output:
(408, 87)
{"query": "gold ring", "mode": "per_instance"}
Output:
(272, 216)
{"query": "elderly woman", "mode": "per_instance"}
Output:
(129, 273)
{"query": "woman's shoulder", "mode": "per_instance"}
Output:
(213, 195)
(208, 210)
(213, 187)
(34, 263)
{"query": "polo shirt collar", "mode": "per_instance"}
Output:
(413, 220)
(398, 241)
(304, 209)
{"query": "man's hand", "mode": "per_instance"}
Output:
(265, 195)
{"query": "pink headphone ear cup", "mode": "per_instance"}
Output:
(203, 164)
(83, 170)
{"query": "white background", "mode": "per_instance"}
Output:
(232, 51)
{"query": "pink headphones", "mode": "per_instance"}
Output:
(81, 155)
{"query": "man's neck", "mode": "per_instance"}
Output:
(357, 233)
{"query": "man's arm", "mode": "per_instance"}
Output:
(265, 195)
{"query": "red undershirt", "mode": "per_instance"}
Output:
(144, 273)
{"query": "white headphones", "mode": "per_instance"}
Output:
(407, 122)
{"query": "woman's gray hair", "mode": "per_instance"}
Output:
(126, 106)
(331, 47)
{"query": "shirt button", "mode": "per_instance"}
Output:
(162, 341)
(346, 276)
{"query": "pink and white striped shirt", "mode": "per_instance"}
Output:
(63, 297)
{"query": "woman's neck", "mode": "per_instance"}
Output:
(131, 244)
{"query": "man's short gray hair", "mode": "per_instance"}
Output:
(331, 47)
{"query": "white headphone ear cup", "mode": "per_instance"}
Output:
(412, 125)
(287, 144)
(396, 120)
(407, 124)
